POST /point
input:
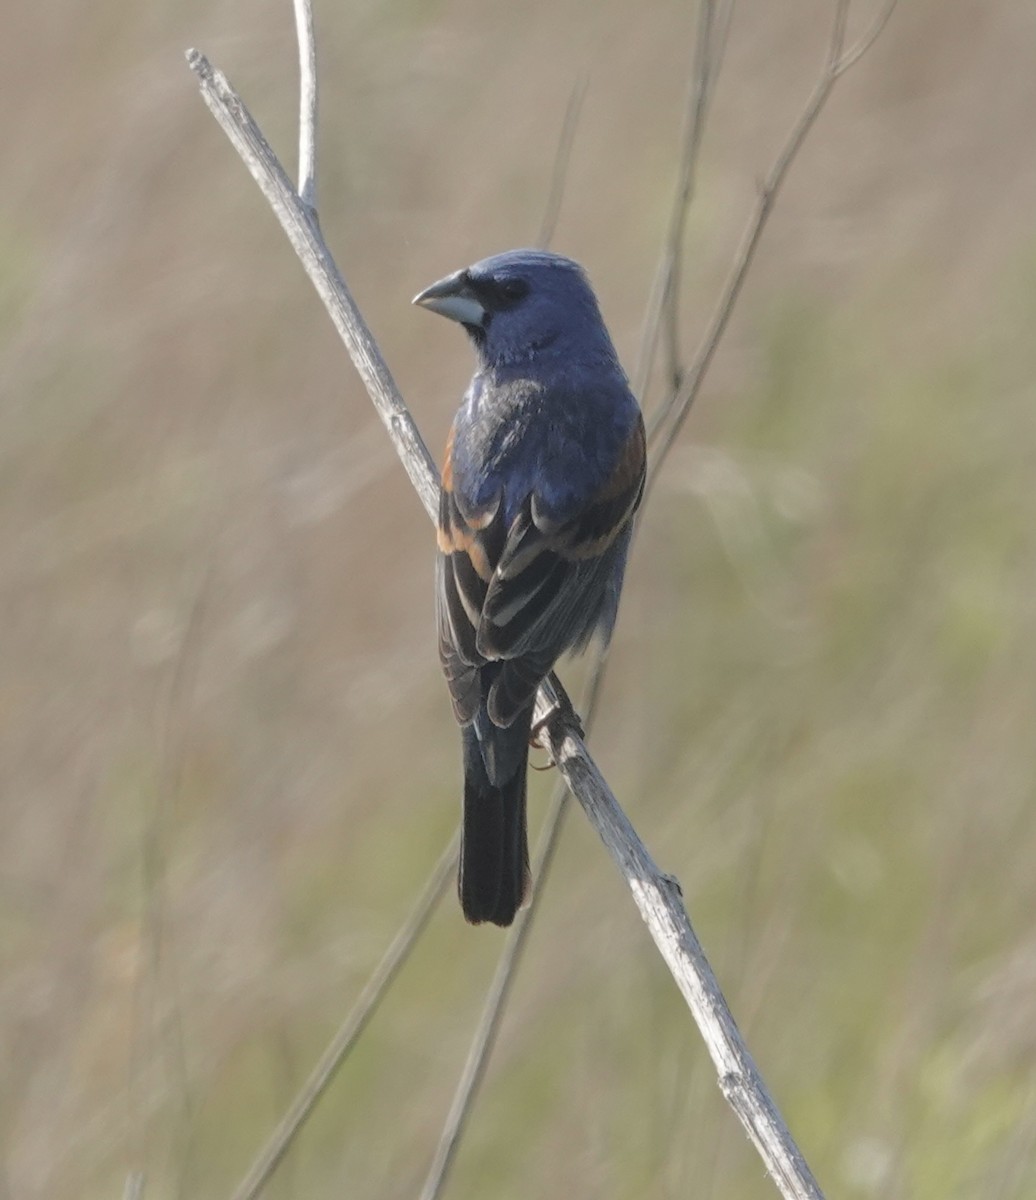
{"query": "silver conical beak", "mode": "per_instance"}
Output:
(453, 297)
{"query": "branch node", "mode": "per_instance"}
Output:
(673, 885)
(550, 728)
(198, 63)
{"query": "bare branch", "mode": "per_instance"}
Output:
(157, 983)
(307, 104)
(837, 42)
(133, 1188)
(662, 913)
(856, 52)
(659, 899)
(492, 1012)
(304, 234)
(685, 189)
(484, 1038)
(485, 1035)
(657, 896)
(666, 423)
(280, 1142)
(561, 161)
(663, 303)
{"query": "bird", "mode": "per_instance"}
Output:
(544, 469)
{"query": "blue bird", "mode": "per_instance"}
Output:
(544, 469)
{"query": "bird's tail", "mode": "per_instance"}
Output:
(494, 858)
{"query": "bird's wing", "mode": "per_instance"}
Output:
(470, 542)
(527, 593)
(548, 566)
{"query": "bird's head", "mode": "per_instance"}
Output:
(521, 305)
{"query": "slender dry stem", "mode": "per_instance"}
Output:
(291, 1124)
(492, 1011)
(304, 234)
(484, 1038)
(489, 1024)
(662, 313)
(657, 895)
(666, 423)
(306, 37)
(562, 158)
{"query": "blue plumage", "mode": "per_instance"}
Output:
(544, 470)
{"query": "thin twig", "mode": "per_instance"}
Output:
(306, 37)
(662, 911)
(484, 1038)
(561, 162)
(288, 1129)
(304, 234)
(133, 1188)
(657, 896)
(492, 1011)
(157, 982)
(853, 55)
(489, 1024)
(663, 303)
(685, 190)
(291, 1124)
(660, 901)
(665, 425)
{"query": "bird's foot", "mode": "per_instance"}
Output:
(562, 716)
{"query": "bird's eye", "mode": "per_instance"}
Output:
(514, 289)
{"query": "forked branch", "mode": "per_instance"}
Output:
(665, 425)
(657, 895)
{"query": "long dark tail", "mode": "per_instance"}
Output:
(494, 858)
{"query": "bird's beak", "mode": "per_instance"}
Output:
(453, 297)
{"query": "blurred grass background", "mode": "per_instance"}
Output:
(226, 756)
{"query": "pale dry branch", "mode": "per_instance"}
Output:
(291, 1124)
(662, 314)
(665, 425)
(660, 901)
(156, 988)
(661, 909)
(493, 1009)
(657, 895)
(304, 234)
(133, 1188)
(857, 51)
(485, 1034)
(561, 161)
(489, 1023)
(307, 41)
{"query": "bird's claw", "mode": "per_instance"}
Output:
(562, 714)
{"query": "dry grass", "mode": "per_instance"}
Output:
(216, 609)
